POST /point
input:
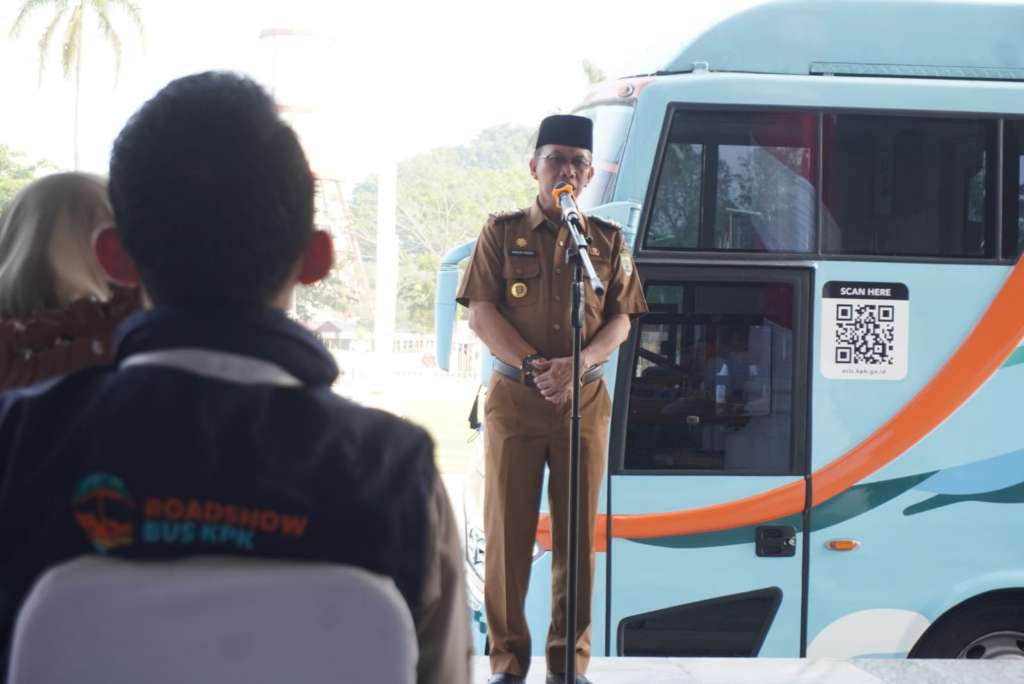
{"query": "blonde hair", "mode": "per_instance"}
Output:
(46, 258)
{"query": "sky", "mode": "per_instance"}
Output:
(368, 82)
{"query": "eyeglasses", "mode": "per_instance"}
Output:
(581, 164)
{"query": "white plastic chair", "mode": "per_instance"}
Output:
(103, 621)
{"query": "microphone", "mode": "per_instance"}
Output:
(567, 202)
(574, 220)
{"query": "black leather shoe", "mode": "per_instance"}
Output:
(506, 678)
(559, 678)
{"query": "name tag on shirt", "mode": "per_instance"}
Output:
(523, 252)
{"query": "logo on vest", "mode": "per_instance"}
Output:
(172, 520)
(109, 516)
(105, 511)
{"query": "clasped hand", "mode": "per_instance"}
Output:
(553, 377)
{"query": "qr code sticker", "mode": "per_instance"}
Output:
(865, 330)
(865, 334)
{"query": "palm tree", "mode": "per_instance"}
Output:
(73, 13)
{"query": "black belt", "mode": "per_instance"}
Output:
(514, 373)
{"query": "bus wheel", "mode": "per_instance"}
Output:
(995, 645)
(988, 626)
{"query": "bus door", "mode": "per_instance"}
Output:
(709, 437)
(710, 410)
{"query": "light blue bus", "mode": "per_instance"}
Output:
(812, 448)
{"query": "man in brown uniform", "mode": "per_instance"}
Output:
(518, 290)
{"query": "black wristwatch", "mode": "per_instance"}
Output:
(526, 369)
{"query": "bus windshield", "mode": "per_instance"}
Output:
(611, 123)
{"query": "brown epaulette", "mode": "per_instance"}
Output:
(603, 222)
(507, 215)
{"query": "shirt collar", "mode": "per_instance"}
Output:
(536, 217)
(260, 332)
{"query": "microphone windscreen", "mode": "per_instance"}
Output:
(561, 189)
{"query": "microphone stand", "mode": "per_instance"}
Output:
(578, 255)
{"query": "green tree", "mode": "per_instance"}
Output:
(329, 294)
(15, 174)
(363, 208)
(444, 198)
(73, 15)
(417, 282)
(594, 73)
(342, 294)
(502, 147)
(445, 195)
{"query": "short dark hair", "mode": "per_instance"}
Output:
(211, 191)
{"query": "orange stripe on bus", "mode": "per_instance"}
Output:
(995, 336)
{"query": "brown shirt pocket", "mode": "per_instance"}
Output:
(522, 280)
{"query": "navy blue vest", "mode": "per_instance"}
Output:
(151, 459)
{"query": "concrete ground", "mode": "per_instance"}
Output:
(783, 671)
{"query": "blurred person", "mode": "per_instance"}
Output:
(58, 309)
(216, 427)
(517, 288)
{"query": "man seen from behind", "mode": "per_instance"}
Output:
(217, 414)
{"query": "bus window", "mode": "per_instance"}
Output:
(736, 180)
(1013, 190)
(611, 123)
(909, 186)
(712, 379)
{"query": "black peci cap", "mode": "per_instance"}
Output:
(566, 129)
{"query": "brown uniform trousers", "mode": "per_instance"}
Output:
(519, 265)
(523, 433)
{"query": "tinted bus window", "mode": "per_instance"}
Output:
(611, 123)
(712, 379)
(908, 186)
(1013, 189)
(740, 181)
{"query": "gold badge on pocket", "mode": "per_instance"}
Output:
(519, 289)
(521, 242)
(594, 251)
